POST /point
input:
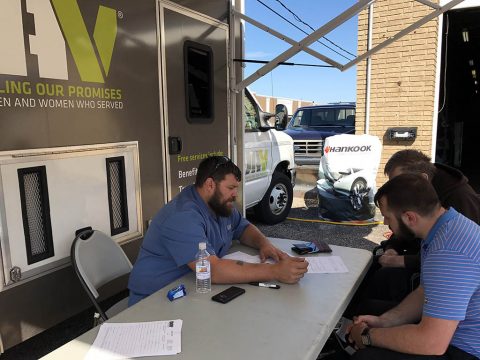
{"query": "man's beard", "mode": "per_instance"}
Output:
(220, 208)
(404, 232)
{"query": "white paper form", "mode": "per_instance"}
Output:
(130, 340)
(316, 264)
(238, 255)
(326, 265)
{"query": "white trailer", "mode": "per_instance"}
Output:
(106, 110)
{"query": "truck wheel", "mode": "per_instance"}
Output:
(277, 201)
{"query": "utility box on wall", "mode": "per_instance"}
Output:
(402, 133)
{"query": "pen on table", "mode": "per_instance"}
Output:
(266, 285)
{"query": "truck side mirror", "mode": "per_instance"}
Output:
(281, 117)
(267, 116)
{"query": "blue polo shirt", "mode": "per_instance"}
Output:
(172, 239)
(450, 277)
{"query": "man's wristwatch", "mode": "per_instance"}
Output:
(366, 340)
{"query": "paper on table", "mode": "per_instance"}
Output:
(316, 264)
(127, 340)
(326, 265)
(238, 255)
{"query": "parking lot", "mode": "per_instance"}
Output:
(303, 222)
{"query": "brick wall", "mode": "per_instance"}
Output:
(402, 87)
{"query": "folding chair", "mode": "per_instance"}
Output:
(98, 260)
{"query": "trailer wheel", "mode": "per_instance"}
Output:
(277, 201)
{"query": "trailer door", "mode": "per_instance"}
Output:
(194, 88)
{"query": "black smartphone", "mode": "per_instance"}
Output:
(301, 250)
(228, 294)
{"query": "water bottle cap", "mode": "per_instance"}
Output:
(202, 246)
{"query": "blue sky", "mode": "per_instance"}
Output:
(321, 85)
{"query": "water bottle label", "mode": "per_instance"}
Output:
(203, 271)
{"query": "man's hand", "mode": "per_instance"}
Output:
(270, 251)
(388, 260)
(361, 322)
(290, 269)
(390, 252)
(371, 321)
(388, 234)
(355, 334)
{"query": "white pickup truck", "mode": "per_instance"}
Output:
(269, 163)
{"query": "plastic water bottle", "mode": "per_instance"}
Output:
(202, 269)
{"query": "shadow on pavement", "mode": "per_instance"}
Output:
(305, 207)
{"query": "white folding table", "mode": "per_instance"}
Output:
(290, 323)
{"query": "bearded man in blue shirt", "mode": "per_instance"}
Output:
(441, 318)
(205, 212)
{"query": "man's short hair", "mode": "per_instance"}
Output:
(409, 192)
(412, 161)
(216, 167)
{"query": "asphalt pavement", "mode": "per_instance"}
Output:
(308, 226)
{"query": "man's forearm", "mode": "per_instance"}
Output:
(236, 271)
(392, 261)
(253, 237)
(405, 339)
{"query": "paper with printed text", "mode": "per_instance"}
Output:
(130, 340)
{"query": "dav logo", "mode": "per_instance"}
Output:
(58, 23)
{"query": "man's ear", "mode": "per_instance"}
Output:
(425, 176)
(210, 184)
(410, 218)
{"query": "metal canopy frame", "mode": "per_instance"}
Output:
(302, 45)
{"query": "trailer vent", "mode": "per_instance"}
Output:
(35, 213)
(117, 195)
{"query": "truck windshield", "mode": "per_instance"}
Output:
(318, 117)
(298, 120)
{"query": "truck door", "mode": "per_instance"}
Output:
(258, 153)
(194, 91)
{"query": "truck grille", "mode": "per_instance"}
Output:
(312, 148)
